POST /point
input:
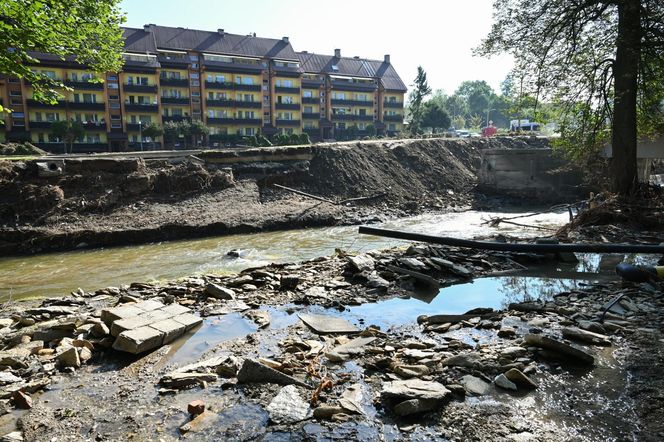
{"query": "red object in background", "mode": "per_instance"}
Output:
(489, 131)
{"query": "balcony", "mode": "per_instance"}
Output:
(218, 85)
(312, 84)
(247, 87)
(234, 103)
(311, 100)
(248, 104)
(352, 117)
(220, 66)
(245, 121)
(136, 107)
(288, 106)
(38, 104)
(85, 85)
(348, 86)
(136, 126)
(86, 105)
(287, 90)
(175, 82)
(139, 88)
(219, 103)
(310, 115)
(174, 118)
(175, 100)
(353, 102)
(287, 122)
(173, 62)
(393, 104)
(41, 124)
(396, 118)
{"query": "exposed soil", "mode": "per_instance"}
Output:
(104, 202)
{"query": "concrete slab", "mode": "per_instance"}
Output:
(132, 323)
(139, 340)
(122, 312)
(170, 328)
(149, 305)
(175, 309)
(324, 324)
(188, 320)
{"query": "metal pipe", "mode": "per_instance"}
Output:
(511, 247)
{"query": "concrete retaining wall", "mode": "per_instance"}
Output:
(529, 173)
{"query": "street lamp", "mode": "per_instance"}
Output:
(488, 112)
(140, 132)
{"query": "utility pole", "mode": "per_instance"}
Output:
(140, 132)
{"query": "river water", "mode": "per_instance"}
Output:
(58, 274)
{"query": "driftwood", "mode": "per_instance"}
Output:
(325, 200)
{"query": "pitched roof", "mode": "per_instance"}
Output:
(165, 37)
(352, 67)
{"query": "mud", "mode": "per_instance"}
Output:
(100, 202)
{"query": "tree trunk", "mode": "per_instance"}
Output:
(626, 68)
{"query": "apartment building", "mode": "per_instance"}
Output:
(235, 84)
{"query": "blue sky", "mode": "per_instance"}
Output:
(439, 35)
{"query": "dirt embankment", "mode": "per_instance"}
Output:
(105, 202)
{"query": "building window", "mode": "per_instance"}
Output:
(195, 83)
(249, 131)
(308, 109)
(307, 94)
(391, 127)
(40, 137)
(284, 83)
(14, 93)
(15, 101)
(194, 75)
(112, 85)
(338, 95)
(112, 78)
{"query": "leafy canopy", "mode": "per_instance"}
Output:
(86, 30)
(420, 91)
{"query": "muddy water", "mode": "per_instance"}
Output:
(59, 273)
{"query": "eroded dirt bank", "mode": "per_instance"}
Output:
(98, 202)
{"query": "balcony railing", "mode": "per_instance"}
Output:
(287, 122)
(175, 118)
(287, 90)
(86, 85)
(136, 107)
(288, 106)
(346, 117)
(393, 104)
(313, 84)
(175, 82)
(365, 103)
(174, 100)
(247, 87)
(139, 88)
(136, 126)
(86, 105)
(310, 115)
(234, 103)
(41, 124)
(397, 118)
(218, 85)
(34, 103)
(251, 121)
(347, 86)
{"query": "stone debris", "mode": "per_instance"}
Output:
(253, 371)
(475, 385)
(325, 324)
(288, 407)
(260, 317)
(577, 334)
(362, 263)
(414, 389)
(520, 379)
(563, 349)
(196, 407)
(503, 382)
(219, 292)
(186, 380)
(147, 325)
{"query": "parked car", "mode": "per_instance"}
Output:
(462, 134)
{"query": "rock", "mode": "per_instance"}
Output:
(14, 436)
(375, 281)
(69, 358)
(27, 321)
(351, 399)
(8, 378)
(336, 357)
(196, 407)
(443, 319)
(415, 353)
(507, 332)
(138, 340)
(288, 407)
(467, 359)
(414, 389)
(84, 354)
(414, 406)
(475, 385)
(560, 347)
(354, 347)
(219, 292)
(327, 411)
(253, 371)
(183, 380)
(520, 379)
(411, 371)
(289, 282)
(22, 400)
(413, 263)
(325, 324)
(361, 262)
(54, 310)
(200, 422)
(502, 382)
(578, 334)
(592, 326)
(260, 317)
(513, 352)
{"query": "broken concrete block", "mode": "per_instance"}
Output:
(149, 305)
(170, 328)
(122, 312)
(132, 323)
(175, 309)
(253, 371)
(138, 340)
(324, 324)
(188, 320)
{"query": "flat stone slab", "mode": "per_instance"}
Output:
(253, 371)
(560, 348)
(577, 334)
(146, 325)
(475, 385)
(354, 347)
(324, 324)
(414, 389)
(288, 407)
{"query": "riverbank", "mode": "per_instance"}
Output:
(101, 202)
(393, 370)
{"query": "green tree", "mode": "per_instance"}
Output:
(68, 132)
(152, 131)
(197, 130)
(171, 132)
(416, 108)
(88, 30)
(600, 61)
(304, 138)
(459, 122)
(435, 116)
(371, 130)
